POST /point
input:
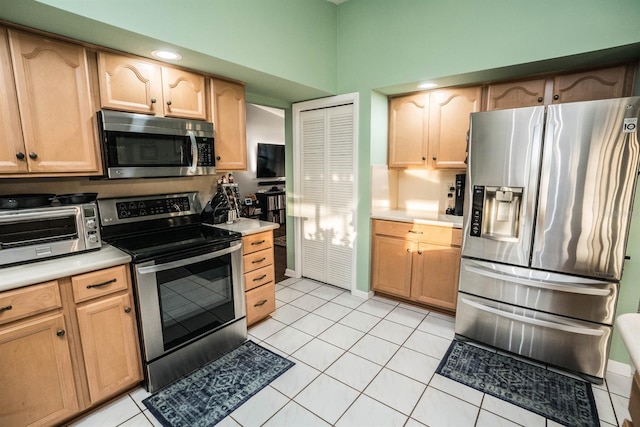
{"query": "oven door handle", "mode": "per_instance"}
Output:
(194, 152)
(187, 261)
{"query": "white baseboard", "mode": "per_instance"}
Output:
(291, 273)
(361, 294)
(619, 368)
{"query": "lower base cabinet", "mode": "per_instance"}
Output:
(259, 275)
(634, 402)
(36, 372)
(416, 262)
(66, 346)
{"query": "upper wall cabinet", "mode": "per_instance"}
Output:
(56, 133)
(135, 85)
(448, 125)
(429, 129)
(596, 84)
(12, 150)
(229, 125)
(408, 130)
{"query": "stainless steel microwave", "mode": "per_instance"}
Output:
(142, 146)
(28, 235)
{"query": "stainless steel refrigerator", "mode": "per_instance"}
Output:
(548, 200)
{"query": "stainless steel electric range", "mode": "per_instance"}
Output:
(188, 281)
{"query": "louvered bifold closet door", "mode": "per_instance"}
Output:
(313, 200)
(327, 140)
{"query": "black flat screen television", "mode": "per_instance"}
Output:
(270, 161)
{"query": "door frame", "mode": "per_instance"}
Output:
(297, 109)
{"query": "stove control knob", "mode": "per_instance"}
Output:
(91, 223)
(93, 238)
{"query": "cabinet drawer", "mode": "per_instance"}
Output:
(24, 302)
(99, 283)
(261, 302)
(258, 259)
(419, 232)
(258, 277)
(257, 242)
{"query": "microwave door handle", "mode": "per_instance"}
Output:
(188, 261)
(194, 152)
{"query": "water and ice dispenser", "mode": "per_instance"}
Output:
(495, 212)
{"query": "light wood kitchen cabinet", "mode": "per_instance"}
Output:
(108, 333)
(417, 262)
(613, 82)
(66, 346)
(135, 85)
(449, 111)
(429, 129)
(11, 141)
(36, 371)
(528, 93)
(229, 125)
(259, 275)
(57, 123)
(408, 131)
(634, 402)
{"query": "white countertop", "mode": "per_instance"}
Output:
(418, 217)
(42, 271)
(246, 226)
(629, 326)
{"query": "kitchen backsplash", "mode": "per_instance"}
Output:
(410, 189)
(204, 185)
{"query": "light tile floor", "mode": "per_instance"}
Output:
(362, 363)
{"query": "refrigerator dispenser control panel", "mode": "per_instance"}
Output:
(477, 206)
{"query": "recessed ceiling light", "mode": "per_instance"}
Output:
(165, 54)
(428, 85)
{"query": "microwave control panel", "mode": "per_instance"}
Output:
(205, 152)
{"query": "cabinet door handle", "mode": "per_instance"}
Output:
(20, 155)
(98, 285)
(7, 308)
(127, 310)
(60, 332)
(33, 155)
(256, 279)
(153, 100)
(556, 97)
(419, 252)
(408, 250)
(258, 261)
(169, 102)
(261, 303)
(258, 243)
(434, 158)
(424, 158)
(416, 232)
(540, 99)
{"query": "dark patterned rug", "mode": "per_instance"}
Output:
(207, 395)
(558, 397)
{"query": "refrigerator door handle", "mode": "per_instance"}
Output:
(534, 322)
(554, 286)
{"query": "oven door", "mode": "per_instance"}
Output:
(184, 297)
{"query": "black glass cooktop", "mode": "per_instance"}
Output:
(170, 241)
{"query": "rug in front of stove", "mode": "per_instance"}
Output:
(204, 397)
(558, 397)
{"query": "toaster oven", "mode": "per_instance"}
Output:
(28, 235)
